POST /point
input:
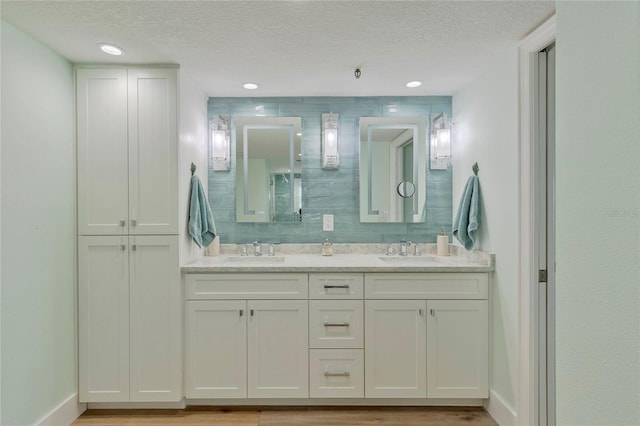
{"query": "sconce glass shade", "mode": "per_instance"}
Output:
(330, 141)
(219, 149)
(440, 146)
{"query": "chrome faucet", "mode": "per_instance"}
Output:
(257, 246)
(403, 247)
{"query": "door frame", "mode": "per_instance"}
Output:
(528, 401)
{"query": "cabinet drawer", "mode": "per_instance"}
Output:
(336, 286)
(336, 373)
(426, 286)
(247, 286)
(336, 324)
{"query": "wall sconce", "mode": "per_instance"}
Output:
(219, 149)
(330, 141)
(440, 146)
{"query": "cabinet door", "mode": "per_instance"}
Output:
(153, 151)
(216, 349)
(101, 102)
(278, 356)
(103, 319)
(395, 349)
(458, 352)
(156, 319)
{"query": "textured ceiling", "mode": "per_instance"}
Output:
(291, 48)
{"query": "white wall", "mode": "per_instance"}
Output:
(485, 115)
(38, 217)
(598, 213)
(193, 149)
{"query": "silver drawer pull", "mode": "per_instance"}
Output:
(345, 286)
(336, 324)
(123, 247)
(134, 222)
(241, 312)
(122, 222)
(343, 374)
(433, 313)
(134, 247)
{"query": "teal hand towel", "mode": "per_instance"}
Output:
(468, 216)
(201, 225)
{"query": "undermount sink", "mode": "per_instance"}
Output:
(260, 259)
(409, 259)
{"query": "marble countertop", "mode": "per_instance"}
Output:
(353, 258)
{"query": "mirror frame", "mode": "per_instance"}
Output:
(293, 125)
(417, 124)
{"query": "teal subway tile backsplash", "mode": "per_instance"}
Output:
(330, 191)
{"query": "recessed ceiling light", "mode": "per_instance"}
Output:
(414, 83)
(250, 86)
(111, 49)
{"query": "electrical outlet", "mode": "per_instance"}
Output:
(327, 222)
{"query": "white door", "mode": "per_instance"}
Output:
(155, 319)
(216, 349)
(395, 349)
(153, 151)
(103, 318)
(101, 99)
(457, 349)
(545, 223)
(278, 350)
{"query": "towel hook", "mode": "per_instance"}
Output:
(475, 169)
(193, 169)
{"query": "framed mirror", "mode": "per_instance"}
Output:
(393, 156)
(268, 158)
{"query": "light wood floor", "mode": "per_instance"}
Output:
(428, 416)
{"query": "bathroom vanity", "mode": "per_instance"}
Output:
(347, 329)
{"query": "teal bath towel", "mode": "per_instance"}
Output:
(468, 217)
(201, 225)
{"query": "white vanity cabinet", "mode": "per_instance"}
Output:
(420, 336)
(130, 332)
(427, 335)
(247, 335)
(127, 151)
(336, 335)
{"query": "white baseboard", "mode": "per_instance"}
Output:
(352, 402)
(500, 411)
(178, 405)
(65, 413)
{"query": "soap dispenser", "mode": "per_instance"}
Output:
(442, 247)
(327, 248)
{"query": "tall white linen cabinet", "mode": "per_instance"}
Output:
(129, 294)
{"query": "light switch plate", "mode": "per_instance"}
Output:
(327, 222)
